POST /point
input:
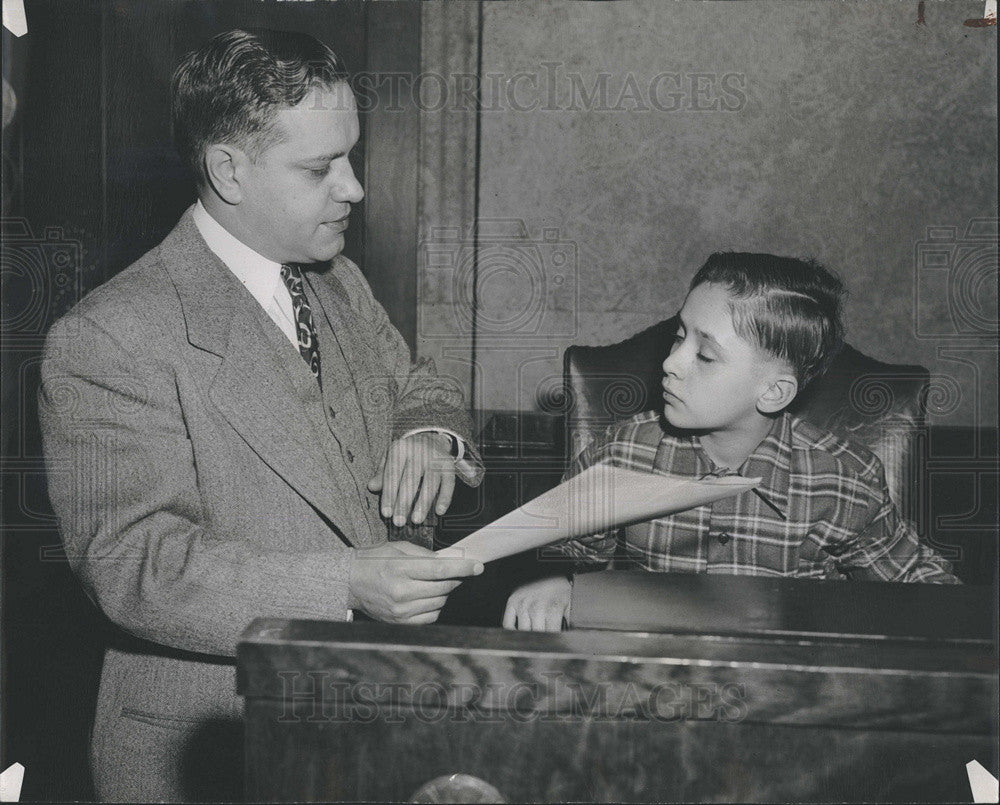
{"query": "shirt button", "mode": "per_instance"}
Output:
(350, 456)
(724, 538)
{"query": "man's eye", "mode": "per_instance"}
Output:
(318, 172)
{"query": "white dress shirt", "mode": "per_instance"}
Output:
(260, 276)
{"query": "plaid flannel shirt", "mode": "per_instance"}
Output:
(838, 520)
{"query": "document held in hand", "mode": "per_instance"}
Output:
(600, 498)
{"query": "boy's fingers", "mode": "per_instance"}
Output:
(509, 617)
(553, 620)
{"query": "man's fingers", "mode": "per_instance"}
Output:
(523, 620)
(375, 484)
(408, 593)
(436, 569)
(424, 605)
(408, 483)
(446, 491)
(416, 550)
(423, 620)
(434, 589)
(391, 477)
(429, 486)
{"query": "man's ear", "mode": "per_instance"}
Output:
(225, 168)
(778, 394)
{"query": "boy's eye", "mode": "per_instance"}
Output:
(705, 358)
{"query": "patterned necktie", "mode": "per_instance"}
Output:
(308, 345)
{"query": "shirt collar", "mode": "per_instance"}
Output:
(761, 462)
(772, 449)
(259, 275)
(764, 462)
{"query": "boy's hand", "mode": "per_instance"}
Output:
(539, 606)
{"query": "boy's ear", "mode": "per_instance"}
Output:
(779, 393)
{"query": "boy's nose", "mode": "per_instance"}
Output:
(670, 364)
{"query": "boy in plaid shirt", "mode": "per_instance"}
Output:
(754, 330)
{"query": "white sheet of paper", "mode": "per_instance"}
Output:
(599, 498)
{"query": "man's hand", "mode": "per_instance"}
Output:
(539, 606)
(420, 463)
(399, 582)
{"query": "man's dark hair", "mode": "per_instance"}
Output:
(229, 89)
(790, 308)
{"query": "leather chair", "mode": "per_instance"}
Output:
(879, 405)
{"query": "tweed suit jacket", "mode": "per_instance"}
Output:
(201, 479)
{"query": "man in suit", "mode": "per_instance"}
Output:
(231, 422)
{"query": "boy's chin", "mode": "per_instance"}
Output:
(676, 419)
(681, 420)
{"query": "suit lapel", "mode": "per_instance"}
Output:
(251, 389)
(355, 384)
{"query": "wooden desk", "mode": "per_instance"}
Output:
(855, 712)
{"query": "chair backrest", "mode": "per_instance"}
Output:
(878, 405)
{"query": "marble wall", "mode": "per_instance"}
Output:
(621, 143)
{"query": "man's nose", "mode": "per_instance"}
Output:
(347, 187)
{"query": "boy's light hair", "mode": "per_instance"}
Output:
(788, 307)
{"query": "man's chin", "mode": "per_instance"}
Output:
(328, 249)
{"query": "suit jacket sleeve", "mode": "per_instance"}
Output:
(123, 483)
(422, 399)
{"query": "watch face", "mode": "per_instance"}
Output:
(457, 788)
